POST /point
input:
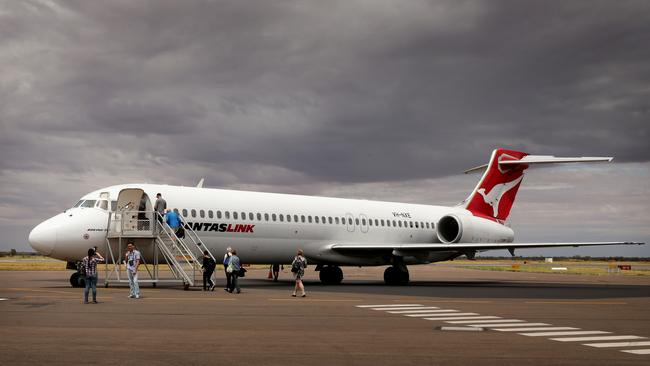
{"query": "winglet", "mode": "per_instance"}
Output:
(200, 183)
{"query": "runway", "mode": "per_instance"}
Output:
(523, 318)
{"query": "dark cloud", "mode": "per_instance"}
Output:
(285, 94)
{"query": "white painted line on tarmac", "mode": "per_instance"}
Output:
(386, 305)
(442, 315)
(501, 325)
(487, 321)
(463, 329)
(462, 317)
(399, 308)
(552, 334)
(617, 344)
(3, 299)
(532, 329)
(606, 338)
(638, 351)
(425, 310)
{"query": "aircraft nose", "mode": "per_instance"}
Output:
(43, 238)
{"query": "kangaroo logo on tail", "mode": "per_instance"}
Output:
(493, 197)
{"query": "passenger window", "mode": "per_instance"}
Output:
(243, 215)
(266, 217)
(235, 216)
(259, 216)
(416, 225)
(193, 213)
(176, 210)
(433, 226)
(349, 221)
(218, 214)
(281, 217)
(329, 219)
(336, 219)
(370, 222)
(343, 220)
(295, 218)
(227, 215)
(288, 218)
(302, 218)
(356, 221)
(316, 219)
(323, 220)
(427, 225)
(309, 218)
(184, 212)
(273, 216)
(400, 223)
(363, 222)
(382, 222)
(210, 214)
(202, 213)
(251, 216)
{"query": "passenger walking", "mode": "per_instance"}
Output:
(234, 266)
(276, 272)
(132, 263)
(226, 260)
(208, 269)
(90, 271)
(298, 269)
(160, 207)
(174, 222)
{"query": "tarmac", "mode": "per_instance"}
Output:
(522, 318)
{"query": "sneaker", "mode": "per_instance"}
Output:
(293, 295)
(239, 291)
(137, 296)
(131, 296)
(94, 301)
(85, 302)
(303, 295)
(213, 287)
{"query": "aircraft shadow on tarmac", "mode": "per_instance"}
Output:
(446, 289)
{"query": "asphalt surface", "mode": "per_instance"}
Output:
(43, 321)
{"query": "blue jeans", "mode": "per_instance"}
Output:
(91, 282)
(134, 289)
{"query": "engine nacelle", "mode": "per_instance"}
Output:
(472, 229)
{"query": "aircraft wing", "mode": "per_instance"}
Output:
(465, 246)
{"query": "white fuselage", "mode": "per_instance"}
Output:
(263, 226)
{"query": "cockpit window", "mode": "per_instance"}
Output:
(78, 203)
(103, 204)
(88, 203)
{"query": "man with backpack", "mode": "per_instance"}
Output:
(208, 268)
(226, 260)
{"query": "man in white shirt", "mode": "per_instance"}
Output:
(132, 257)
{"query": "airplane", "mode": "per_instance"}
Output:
(268, 228)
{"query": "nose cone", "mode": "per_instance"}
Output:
(43, 238)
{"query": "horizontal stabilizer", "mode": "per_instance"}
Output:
(543, 159)
(439, 247)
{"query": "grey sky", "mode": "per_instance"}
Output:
(370, 99)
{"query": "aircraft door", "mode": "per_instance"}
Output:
(349, 222)
(134, 210)
(363, 223)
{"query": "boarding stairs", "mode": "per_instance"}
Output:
(184, 256)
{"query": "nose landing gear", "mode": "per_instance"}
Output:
(77, 280)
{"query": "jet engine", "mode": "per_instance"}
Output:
(472, 229)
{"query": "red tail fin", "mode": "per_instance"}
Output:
(495, 192)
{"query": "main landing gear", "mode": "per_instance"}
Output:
(397, 274)
(330, 275)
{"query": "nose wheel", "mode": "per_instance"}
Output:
(77, 280)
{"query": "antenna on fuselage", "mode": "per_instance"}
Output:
(200, 183)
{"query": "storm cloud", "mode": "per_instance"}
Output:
(346, 98)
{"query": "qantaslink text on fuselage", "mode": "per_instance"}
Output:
(222, 228)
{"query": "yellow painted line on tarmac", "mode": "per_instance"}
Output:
(183, 298)
(33, 290)
(578, 302)
(314, 300)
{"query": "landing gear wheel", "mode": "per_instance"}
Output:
(393, 276)
(154, 285)
(76, 280)
(331, 275)
(186, 286)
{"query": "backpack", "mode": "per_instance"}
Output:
(296, 266)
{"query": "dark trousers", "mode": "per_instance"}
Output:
(207, 280)
(228, 279)
(234, 283)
